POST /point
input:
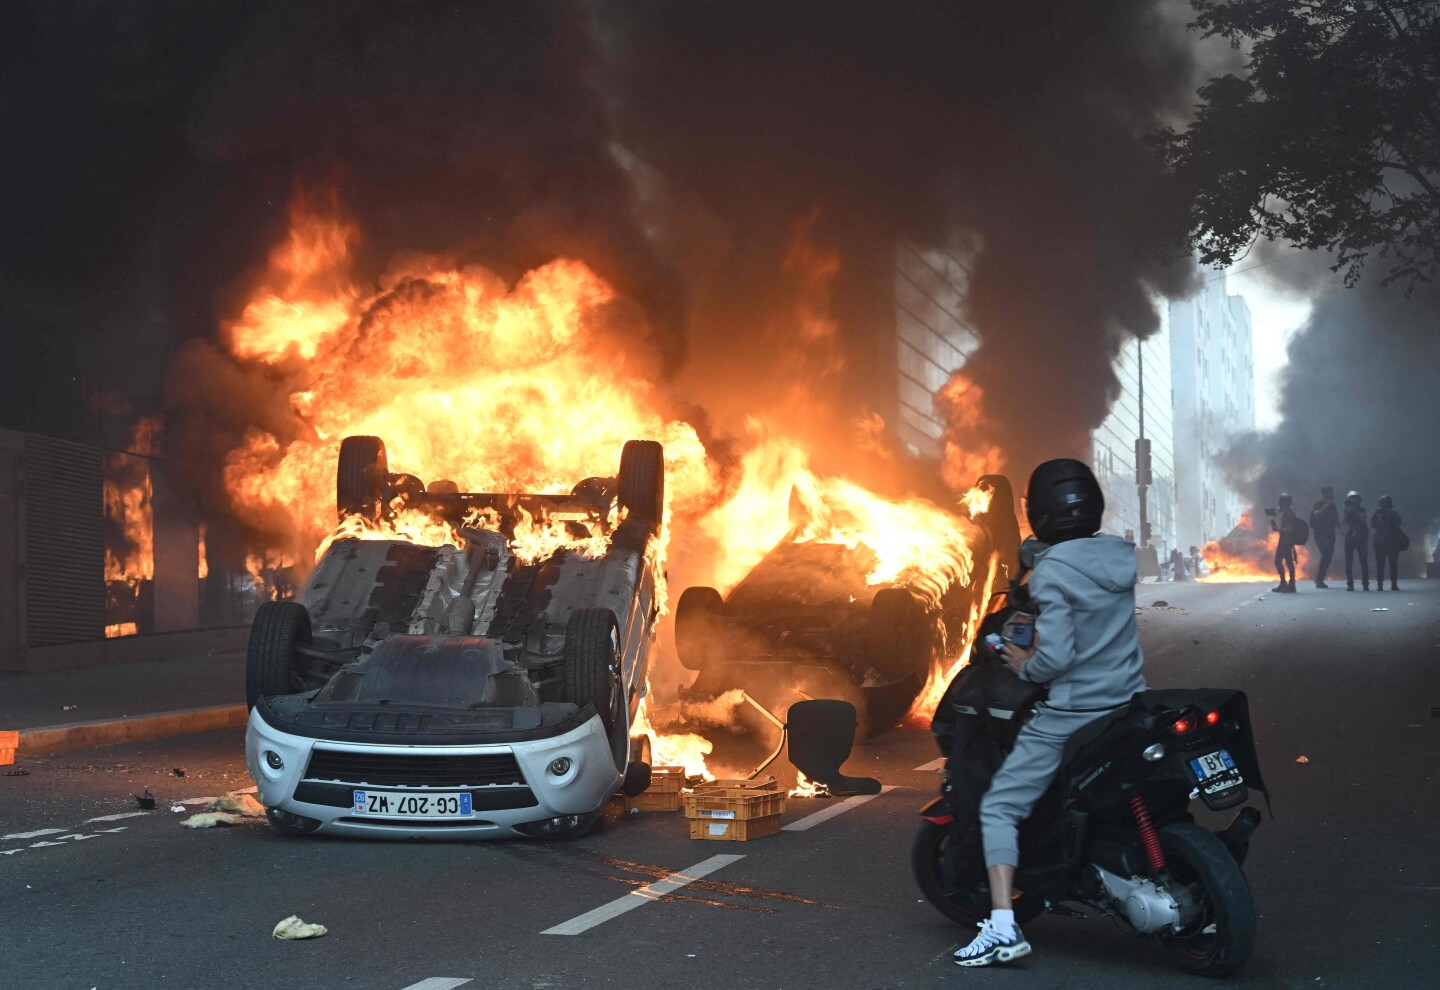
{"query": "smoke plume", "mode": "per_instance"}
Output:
(1358, 403)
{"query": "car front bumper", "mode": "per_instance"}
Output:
(534, 794)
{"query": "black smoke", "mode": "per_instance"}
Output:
(162, 142)
(1016, 128)
(1358, 407)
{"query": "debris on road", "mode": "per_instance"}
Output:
(17, 773)
(1379, 610)
(1302, 759)
(68, 708)
(178, 772)
(146, 800)
(239, 804)
(178, 809)
(1162, 603)
(293, 928)
(210, 819)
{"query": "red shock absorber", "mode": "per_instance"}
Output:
(1153, 851)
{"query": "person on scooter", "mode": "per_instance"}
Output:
(1086, 650)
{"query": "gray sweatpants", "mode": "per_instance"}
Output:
(1023, 777)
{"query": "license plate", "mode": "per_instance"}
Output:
(393, 804)
(1213, 764)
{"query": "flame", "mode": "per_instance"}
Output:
(807, 788)
(977, 500)
(498, 389)
(531, 387)
(203, 571)
(118, 629)
(1247, 553)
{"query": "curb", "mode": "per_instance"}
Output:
(133, 728)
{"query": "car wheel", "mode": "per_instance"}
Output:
(695, 626)
(642, 481)
(360, 478)
(270, 660)
(897, 639)
(591, 669)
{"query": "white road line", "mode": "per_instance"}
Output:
(439, 983)
(934, 764)
(638, 898)
(32, 835)
(810, 821)
(116, 818)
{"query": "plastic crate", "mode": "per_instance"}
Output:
(654, 801)
(666, 780)
(9, 742)
(734, 804)
(738, 830)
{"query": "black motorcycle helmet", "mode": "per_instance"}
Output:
(1386, 502)
(1285, 500)
(1063, 501)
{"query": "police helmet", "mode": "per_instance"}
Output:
(1352, 499)
(1386, 502)
(1285, 500)
(1063, 501)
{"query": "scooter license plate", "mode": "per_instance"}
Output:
(1216, 764)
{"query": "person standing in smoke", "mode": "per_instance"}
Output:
(1389, 541)
(1086, 649)
(1284, 524)
(1324, 520)
(1357, 535)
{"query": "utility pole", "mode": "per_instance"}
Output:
(1142, 454)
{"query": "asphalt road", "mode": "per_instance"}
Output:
(1346, 876)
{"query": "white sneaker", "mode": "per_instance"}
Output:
(990, 946)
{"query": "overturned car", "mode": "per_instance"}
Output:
(806, 619)
(460, 691)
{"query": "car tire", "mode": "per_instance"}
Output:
(590, 673)
(897, 637)
(271, 665)
(641, 482)
(695, 626)
(360, 478)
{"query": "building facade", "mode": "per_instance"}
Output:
(1213, 367)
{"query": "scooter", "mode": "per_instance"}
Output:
(1114, 833)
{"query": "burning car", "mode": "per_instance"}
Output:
(825, 614)
(477, 689)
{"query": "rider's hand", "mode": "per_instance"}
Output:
(1015, 657)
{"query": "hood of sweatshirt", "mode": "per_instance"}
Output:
(1106, 561)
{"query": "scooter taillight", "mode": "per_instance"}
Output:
(1212, 718)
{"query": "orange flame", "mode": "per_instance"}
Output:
(1247, 554)
(528, 388)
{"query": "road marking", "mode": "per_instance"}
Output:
(32, 835)
(934, 764)
(810, 821)
(643, 896)
(439, 983)
(116, 818)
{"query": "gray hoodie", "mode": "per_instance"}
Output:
(1087, 644)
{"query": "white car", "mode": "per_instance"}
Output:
(459, 692)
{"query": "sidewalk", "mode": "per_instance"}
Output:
(103, 706)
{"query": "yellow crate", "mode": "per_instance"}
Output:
(739, 830)
(9, 742)
(666, 780)
(734, 804)
(654, 801)
(765, 783)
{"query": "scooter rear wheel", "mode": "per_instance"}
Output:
(1220, 940)
(966, 900)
